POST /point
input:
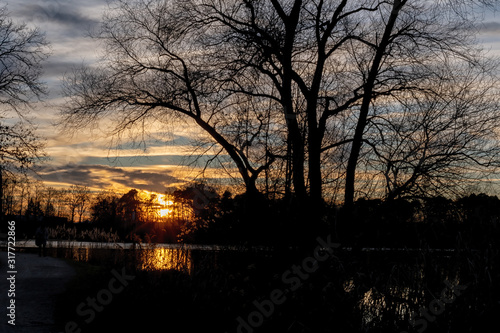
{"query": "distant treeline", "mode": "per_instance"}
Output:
(199, 214)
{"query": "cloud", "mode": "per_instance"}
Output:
(56, 67)
(147, 160)
(66, 25)
(86, 158)
(102, 176)
(59, 13)
(147, 180)
(490, 27)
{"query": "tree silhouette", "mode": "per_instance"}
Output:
(436, 142)
(22, 52)
(130, 207)
(78, 198)
(270, 81)
(104, 208)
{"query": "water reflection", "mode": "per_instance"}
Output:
(80, 254)
(387, 296)
(372, 304)
(147, 258)
(399, 298)
(165, 259)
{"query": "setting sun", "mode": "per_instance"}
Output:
(160, 206)
(164, 203)
(165, 212)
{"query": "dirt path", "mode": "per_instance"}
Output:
(37, 283)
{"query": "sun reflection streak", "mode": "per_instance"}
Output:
(165, 259)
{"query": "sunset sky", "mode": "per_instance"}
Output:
(86, 158)
(92, 158)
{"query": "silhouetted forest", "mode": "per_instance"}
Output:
(199, 214)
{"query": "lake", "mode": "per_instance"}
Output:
(381, 284)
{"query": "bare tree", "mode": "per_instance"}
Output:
(270, 81)
(51, 196)
(34, 198)
(417, 40)
(432, 142)
(20, 147)
(317, 61)
(22, 51)
(10, 187)
(150, 73)
(78, 198)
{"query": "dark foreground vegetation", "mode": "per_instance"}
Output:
(395, 261)
(358, 288)
(350, 292)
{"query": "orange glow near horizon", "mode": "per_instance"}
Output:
(160, 206)
(164, 211)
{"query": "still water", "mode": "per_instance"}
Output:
(394, 292)
(135, 256)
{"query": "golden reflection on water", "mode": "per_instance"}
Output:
(80, 254)
(165, 259)
(372, 303)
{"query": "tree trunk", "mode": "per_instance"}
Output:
(243, 169)
(365, 106)
(298, 162)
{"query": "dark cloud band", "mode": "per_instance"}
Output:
(103, 176)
